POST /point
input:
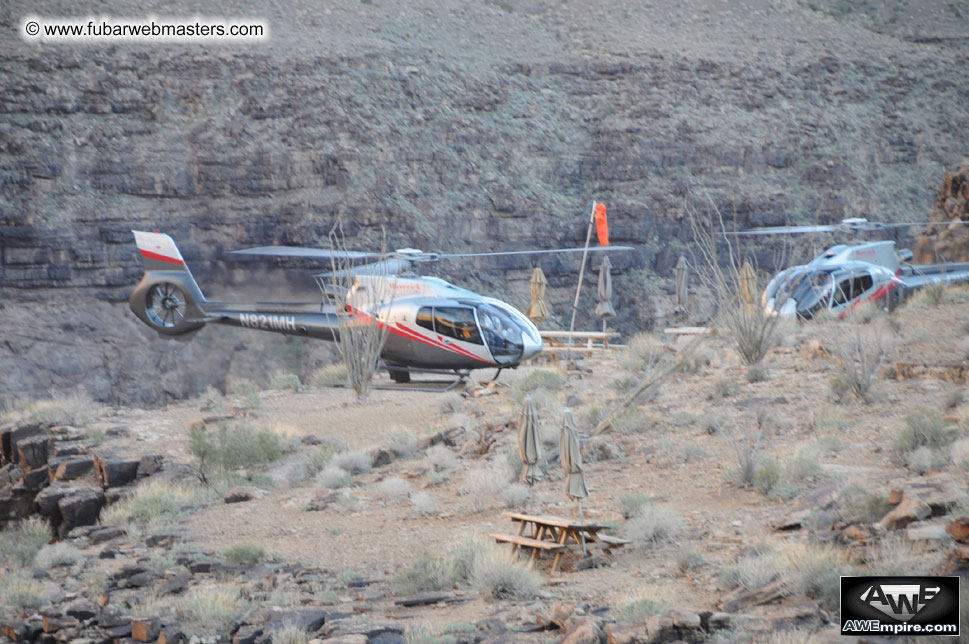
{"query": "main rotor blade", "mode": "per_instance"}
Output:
(302, 251)
(786, 230)
(845, 226)
(592, 249)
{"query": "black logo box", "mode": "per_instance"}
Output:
(943, 608)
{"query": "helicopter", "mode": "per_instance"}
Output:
(846, 275)
(433, 326)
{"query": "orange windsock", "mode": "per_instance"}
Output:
(602, 226)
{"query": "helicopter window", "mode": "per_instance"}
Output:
(861, 284)
(456, 323)
(502, 333)
(842, 293)
(425, 318)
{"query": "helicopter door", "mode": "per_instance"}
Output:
(450, 321)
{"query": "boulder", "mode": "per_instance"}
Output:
(175, 584)
(238, 495)
(145, 629)
(32, 452)
(149, 465)
(908, 510)
(11, 437)
(586, 631)
(107, 533)
(37, 478)
(16, 503)
(73, 468)
(48, 498)
(309, 620)
(959, 529)
(80, 508)
(115, 472)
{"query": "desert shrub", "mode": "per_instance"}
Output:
(285, 381)
(752, 571)
(482, 485)
(932, 294)
(721, 388)
(19, 590)
(894, 555)
(642, 353)
(955, 398)
(20, 542)
(924, 427)
(745, 443)
(630, 503)
(393, 487)
(624, 384)
(857, 503)
(331, 375)
(423, 502)
(859, 351)
(688, 559)
(353, 462)
(404, 444)
(57, 554)
(74, 409)
(244, 553)
(655, 523)
(537, 379)
(695, 362)
(334, 477)
(211, 608)
(756, 373)
(291, 635)
(494, 576)
(450, 403)
(441, 457)
(691, 453)
(232, 447)
(515, 495)
(429, 572)
(767, 475)
(635, 422)
(804, 570)
(318, 459)
(638, 608)
(923, 460)
(247, 391)
(153, 502)
(959, 452)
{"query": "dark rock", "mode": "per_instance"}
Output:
(149, 465)
(171, 634)
(32, 452)
(247, 635)
(37, 479)
(10, 475)
(129, 570)
(82, 609)
(161, 539)
(107, 533)
(109, 552)
(80, 508)
(322, 501)
(309, 620)
(48, 498)
(66, 449)
(372, 631)
(10, 439)
(73, 468)
(54, 623)
(381, 457)
(238, 495)
(423, 599)
(16, 503)
(202, 565)
(175, 584)
(310, 439)
(118, 632)
(115, 472)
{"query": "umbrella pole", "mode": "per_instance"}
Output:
(578, 288)
(581, 533)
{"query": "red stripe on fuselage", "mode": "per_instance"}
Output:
(161, 258)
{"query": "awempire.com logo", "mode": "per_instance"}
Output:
(900, 606)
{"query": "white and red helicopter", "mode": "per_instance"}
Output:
(433, 326)
(847, 275)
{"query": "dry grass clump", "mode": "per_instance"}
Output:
(153, 504)
(859, 350)
(211, 609)
(19, 590)
(639, 606)
(745, 442)
(331, 375)
(72, 409)
(232, 447)
(318, 459)
(21, 542)
(353, 462)
(428, 573)
(57, 554)
(858, 503)
(495, 576)
(653, 524)
(441, 458)
(515, 495)
(285, 382)
(482, 484)
(925, 427)
(393, 487)
(244, 553)
(424, 503)
(642, 353)
(404, 444)
(334, 477)
(786, 481)
(537, 379)
(291, 635)
(895, 555)
(959, 453)
(630, 503)
(689, 559)
(803, 570)
(450, 403)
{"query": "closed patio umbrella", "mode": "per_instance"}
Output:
(682, 282)
(571, 457)
(604, 308)
(537, 310)
(748, 286)
(528, 445)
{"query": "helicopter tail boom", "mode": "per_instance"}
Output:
(168, 299)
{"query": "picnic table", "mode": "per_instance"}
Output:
(547, 533)
(588, 338)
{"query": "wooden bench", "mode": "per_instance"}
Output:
(528, 542)
(590, 339)
(612, 542)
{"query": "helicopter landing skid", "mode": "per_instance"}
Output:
(402, 381)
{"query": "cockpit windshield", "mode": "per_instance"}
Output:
(809, 288)
(502, 333)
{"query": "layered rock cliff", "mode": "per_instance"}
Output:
(452, 127)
